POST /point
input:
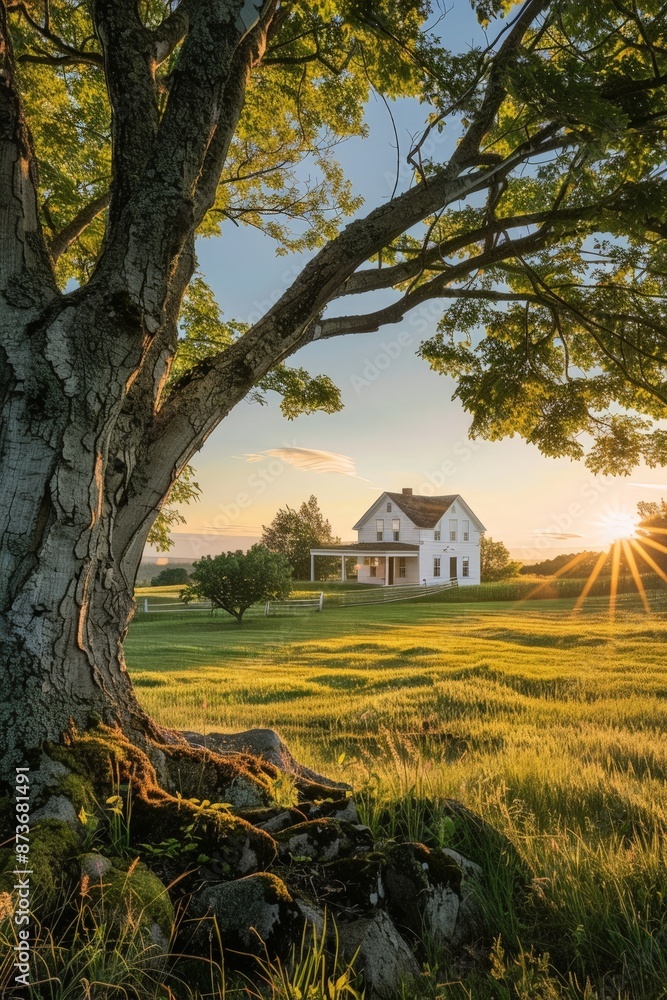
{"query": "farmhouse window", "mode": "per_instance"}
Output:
(436, 566)
(396, 528)
(465, 528)
(379, 529)
(465, 570)
(388, 508)
(436, 535)
(453, 527)
(401, 568)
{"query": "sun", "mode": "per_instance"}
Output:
(617, 525)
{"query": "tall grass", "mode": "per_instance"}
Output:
(548, 724)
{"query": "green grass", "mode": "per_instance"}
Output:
(550, 724)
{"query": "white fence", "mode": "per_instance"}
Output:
(387, 595)
(295, 606)
(318, 602)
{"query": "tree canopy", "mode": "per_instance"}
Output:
(495, 562)
(541, 234)
(296, 532)
(234, 581)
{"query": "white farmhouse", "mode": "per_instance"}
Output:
(407, 539)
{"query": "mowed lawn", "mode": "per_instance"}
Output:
(549, 723)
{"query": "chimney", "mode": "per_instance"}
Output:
(407, 491)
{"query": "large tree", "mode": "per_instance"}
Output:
(128, 127)
(295, 532)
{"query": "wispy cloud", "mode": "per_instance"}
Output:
(556, 534)
(310, 460)
(649, 486)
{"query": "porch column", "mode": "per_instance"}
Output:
(343, 578)
(386, 571)
(312, 567)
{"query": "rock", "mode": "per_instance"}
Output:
(352, 884)
(280, 821)
(344, 808)
(322, 840)
(470, 922)
(268, 746)
(440, 913)
(252, 914)
(243, 781)
(95, 866)
(310, 913)
(58, 807)
(383, 955)
(407, 885)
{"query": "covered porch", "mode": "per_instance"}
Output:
(387, 564)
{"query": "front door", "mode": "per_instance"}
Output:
(390, 563)
(452, 568)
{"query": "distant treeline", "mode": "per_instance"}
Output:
(540, 590)
(581, 568)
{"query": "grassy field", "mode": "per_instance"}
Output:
(550, 724)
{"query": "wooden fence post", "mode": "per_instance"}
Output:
(145, 605)
(321, 599)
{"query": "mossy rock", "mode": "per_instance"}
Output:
(407, 885)
(239, 779)
(445, 868)
(322, 840)
(220, 836)
(253, 915)
(353, 884)
(132, 901)
(53, 865)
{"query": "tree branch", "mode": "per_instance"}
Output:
(25, 269)
(126, 46)
(376, 279)
(83, 218)
(71, 56)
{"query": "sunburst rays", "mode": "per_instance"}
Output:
(594, 574)
(629, 548)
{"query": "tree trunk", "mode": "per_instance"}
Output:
(66, 597)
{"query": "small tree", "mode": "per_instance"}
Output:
(495, 561)
(295, 532)
(235, 580)
(170, 577)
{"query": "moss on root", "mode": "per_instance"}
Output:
(104, 757)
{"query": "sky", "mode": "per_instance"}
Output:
(399, 426)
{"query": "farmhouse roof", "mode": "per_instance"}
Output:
(424, 512)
